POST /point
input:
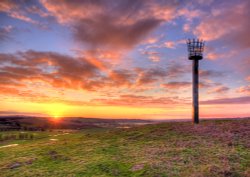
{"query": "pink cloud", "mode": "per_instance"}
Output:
(174, 44)
(155, 74)
(219, 90)
(123, 24)
(248, 78)
(152, 55)
(244, 89)
(101, 31)
(211, 73)
(235, 100)
(14, 9)
(228, 20)
(170, 44)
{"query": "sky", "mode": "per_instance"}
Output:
(123, 58)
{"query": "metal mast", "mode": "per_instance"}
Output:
(195, 53)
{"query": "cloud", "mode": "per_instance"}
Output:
(174, 44)
(170, 44)
(139, 100)
(248, 78)
(123, 10)
(213, 87)
(100, 31)
(5, 32)
(19, 16)
(211, 73)
(122, 77)
(53, 68)
(190, 13)
(118, 24)
(36, 9)
(243, 65)
(176, 85)
(155, 74)
(151, 40)
(16, 113)
(23, 70)
(15, 10)
(208, 84)
(236, 100)
(214, 55)
(152, 55)
(244, 89)
(29, 11)
(228, 21)
(148, 76)
(220, 89)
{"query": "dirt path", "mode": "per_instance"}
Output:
(10, 145)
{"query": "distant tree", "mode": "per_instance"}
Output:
(25, 135)
(21, 136)
(31, 136)
(13, 136)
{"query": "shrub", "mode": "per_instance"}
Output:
(31, 136)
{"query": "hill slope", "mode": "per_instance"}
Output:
(213, 148)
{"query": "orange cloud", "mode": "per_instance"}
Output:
(122, 77)
(244, 89)
(176, 85)
(141, 101)
(58, 70)
(63, 71)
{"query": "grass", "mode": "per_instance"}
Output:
(213, 148)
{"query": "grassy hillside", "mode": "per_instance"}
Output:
(213, 148)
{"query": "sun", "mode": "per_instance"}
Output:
(56, 110)
(56, 117)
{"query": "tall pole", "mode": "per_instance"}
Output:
(195, 53)
(196, 91)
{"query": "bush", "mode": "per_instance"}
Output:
(17, 136)
(21, 136)
(31, 136)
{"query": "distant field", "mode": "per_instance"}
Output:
(213, 148)
(44, 123)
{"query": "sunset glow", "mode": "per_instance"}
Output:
(123, 58)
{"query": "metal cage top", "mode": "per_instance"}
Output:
(195, 49)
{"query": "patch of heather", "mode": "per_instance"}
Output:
(229, 132)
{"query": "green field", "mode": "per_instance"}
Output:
(213, 148)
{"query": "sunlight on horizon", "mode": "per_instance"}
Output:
(56, 110)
